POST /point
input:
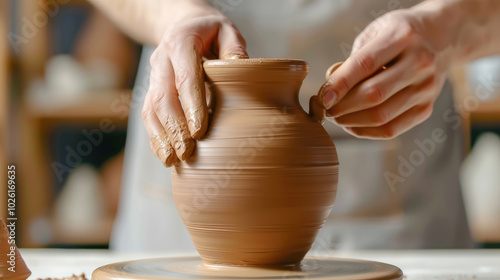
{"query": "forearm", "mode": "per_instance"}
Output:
(469, 27)
(146, 20)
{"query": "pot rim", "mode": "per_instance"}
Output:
(286, 63)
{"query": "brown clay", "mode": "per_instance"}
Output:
(177, 132)
(192, 97)
(261, 183)
(162, 149)
(316, 109)
(72, 277)
(258, 187)
(21, 271)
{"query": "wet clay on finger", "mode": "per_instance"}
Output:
(262, 182)
(180, 140)
(193, 98)
(162, 149)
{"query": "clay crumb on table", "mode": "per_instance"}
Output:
(73, 277)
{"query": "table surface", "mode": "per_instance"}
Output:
(416, 265)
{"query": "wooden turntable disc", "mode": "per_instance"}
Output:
(318, 268)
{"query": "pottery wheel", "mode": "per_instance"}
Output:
(192, 268)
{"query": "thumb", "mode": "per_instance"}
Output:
(231, 43)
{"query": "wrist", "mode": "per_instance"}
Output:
(177, 11)
(441, 23)
(465, 27)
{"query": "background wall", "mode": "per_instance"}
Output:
(69, 71)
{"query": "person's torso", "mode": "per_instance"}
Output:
(422, 210)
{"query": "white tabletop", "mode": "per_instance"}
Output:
(416, 265)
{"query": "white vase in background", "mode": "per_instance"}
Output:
(480, 178)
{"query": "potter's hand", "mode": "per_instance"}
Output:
(184, 32)
(177, 73)
(369, 100)
(397, 66)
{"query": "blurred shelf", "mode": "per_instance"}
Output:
(4, 99)
(71, 235)
(486, 112)
(112, 104)
(36, 120)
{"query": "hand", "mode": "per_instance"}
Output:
(391, 80)
(177, 73)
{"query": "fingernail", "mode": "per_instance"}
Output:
(167, 156)
(182, 142)
(161, 148)
(329, 98)
(184, 149)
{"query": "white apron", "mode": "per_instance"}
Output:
(424, 209)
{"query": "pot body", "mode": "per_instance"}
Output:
(262, 182)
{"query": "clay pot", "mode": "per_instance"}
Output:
(10, 258)
(262, 182)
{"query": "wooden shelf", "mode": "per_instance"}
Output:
(98, 235)
(35, 122)
(486, 112)
(32, 122)
(4, 101)
(97, 105)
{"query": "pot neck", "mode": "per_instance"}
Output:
(256, 83)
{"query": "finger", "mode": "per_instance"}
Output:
(166, 104)
(157, 135)
(189, 81)
(392, 108)
(358, 67)
(378, 88)
(316, 110)
(396, 127)
(231, 43)
(328, 97)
